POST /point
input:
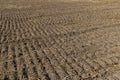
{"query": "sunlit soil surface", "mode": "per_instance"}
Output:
(42, 40)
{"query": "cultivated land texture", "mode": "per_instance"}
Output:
(59, 40)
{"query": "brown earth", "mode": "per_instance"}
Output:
(59, 40)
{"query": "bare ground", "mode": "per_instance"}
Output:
(59, 40)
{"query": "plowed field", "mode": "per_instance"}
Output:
(59, 40)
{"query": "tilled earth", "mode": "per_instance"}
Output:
(59, 41)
